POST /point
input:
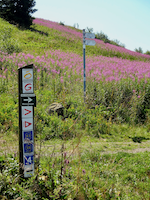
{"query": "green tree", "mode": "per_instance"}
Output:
(102, 36)
(17, 11)
(89, 30)
(147, 52)
(139, 50)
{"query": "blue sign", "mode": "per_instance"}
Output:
(28, 160)
(28, 148)
(28, 135)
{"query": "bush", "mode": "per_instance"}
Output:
(7, 43)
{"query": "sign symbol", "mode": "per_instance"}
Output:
(28, 160)
(27, 87)
(29, 99)
(28, 135)
(27, 124)
(28, 111)
(28, 75)
(28, 148)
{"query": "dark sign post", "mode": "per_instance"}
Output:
(27, 102)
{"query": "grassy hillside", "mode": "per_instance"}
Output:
(99, 148)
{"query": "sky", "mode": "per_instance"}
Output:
(128, 21)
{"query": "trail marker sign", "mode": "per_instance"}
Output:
(90, 35)
(90, 43)
(27, 102)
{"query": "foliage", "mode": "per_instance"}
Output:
(7, 43)
(17, 12)
(139, 50)
(62, 23)
(147, 52)
(102, 36)
(89, 30)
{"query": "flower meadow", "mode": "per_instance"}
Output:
(108, 49)
(113, 82)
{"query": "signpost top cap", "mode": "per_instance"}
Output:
(27, 66)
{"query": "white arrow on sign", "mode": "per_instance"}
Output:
(90, 42)
(90, 35)
(29, 99)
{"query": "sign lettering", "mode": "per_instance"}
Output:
(27, 87)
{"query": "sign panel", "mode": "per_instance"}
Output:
(27, 74)
(28, 160)
(90, 35)
(90, 42)
(27, 111)
(27, 124)
(28, 148)
(28, 101)
(27, 87)
(27, 136)
(28, 170)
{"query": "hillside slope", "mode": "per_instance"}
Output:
(90, 150)
(45, 35)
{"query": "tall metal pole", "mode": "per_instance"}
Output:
(84, 69)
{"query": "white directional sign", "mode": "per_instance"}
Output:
(90, 35)
(90, 42)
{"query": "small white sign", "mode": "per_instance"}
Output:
(90, 42)
(27, 124)
(90, 35)
(28, 87)
(27, 111)
(28, 170)
(27, 74)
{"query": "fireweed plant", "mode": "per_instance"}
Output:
(121, 86)
(108, 49)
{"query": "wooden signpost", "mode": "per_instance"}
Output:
(27, 102)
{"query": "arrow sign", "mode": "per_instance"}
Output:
(90, 42)
(28, 100)
(90, 35)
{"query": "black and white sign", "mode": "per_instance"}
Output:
(28, 100)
